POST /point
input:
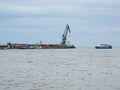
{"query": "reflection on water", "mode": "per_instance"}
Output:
(60, 69)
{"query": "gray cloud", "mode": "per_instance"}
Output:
(84, 16)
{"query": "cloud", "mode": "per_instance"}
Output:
(11, 8)
(85, 17)
(74, 7)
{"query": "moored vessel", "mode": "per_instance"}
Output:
(63, 44)
(3, 47)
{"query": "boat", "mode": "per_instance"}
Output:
(103, 46)
(62, 45)
(3, 47)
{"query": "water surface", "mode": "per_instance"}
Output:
(60, 69)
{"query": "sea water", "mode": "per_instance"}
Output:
(60, 69)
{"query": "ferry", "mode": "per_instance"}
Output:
(103, 46)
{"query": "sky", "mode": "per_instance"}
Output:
(91, 22)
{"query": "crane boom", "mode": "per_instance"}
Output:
(64, 36)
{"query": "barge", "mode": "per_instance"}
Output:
(62, 45)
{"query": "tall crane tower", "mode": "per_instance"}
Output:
(64, 36)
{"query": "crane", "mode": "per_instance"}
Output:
(64, 36)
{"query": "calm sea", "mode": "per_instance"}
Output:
(60, 69)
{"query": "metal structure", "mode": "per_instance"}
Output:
(64, 36)
(62, 45)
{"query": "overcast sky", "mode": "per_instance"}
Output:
(30, 21)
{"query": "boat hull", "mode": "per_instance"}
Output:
(56, 46)
(103, 47)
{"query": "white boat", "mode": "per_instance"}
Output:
(103, 46)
